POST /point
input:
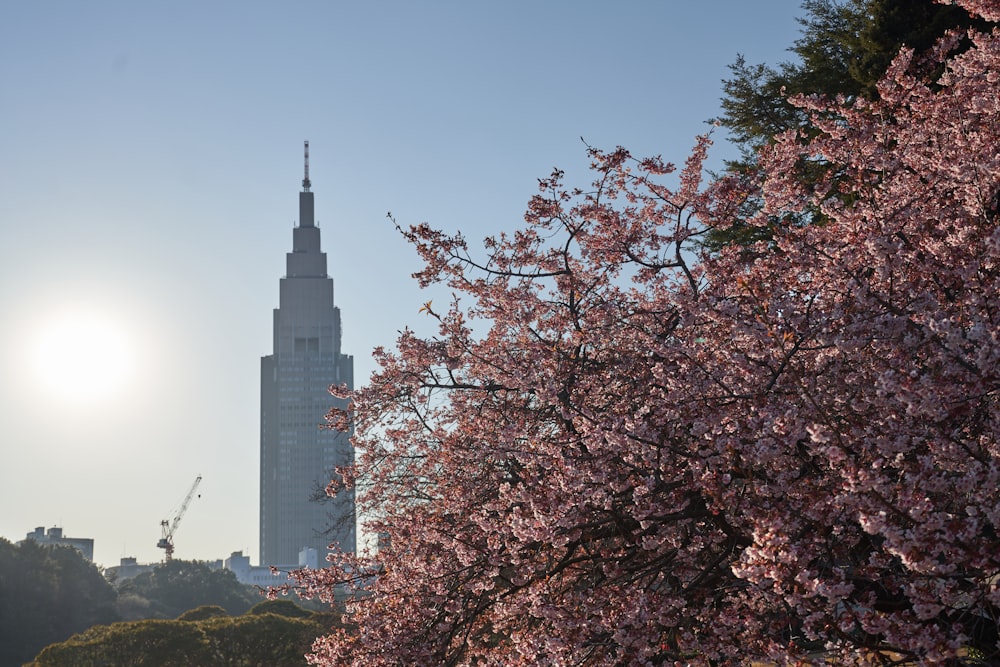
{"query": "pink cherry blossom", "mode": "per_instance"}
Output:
(621, 449)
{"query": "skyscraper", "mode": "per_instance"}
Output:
(296, 455)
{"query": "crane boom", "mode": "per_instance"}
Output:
(167, 539)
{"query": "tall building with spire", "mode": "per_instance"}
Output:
(296, 455)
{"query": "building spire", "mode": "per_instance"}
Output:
(305, 181)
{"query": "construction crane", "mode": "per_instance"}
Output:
(168, 527)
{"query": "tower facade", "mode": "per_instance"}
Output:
(297, 457)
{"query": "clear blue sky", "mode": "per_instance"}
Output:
(150, 156)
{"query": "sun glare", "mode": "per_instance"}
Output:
(82, 358)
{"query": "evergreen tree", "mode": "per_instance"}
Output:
(846, 46)
(177, 586)
(46, 594)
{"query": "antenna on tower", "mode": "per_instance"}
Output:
(305, 181)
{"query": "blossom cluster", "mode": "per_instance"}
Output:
(623, 449)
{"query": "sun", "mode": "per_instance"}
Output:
(82, 358)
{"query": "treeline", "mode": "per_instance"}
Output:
(175, 587)
(274, 633)
(47, 594)
(50, 594)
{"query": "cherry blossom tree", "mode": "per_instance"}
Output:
(621, 449)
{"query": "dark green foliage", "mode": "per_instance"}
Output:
(261, 639)
(280, 608)
(846, 46)
(257, 639)
(203, 612)
(49, 593)
(174, 587)
(754, 98)
(150, 642)
(893, 24)
(46, 594)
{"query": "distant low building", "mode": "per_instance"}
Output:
(54, 536)
(127, 568)
(262, 575)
